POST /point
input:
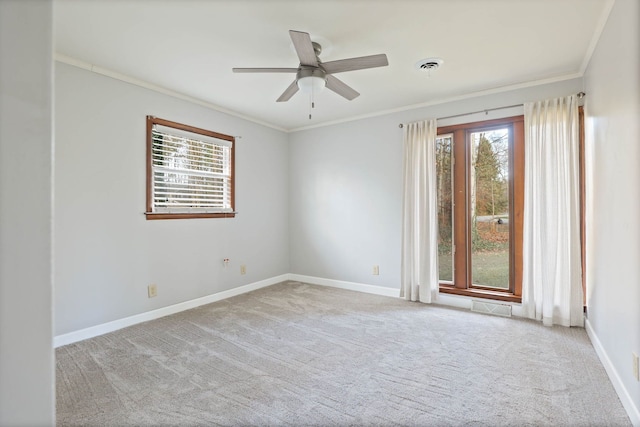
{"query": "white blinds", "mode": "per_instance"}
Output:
(190, 135)
(191, 172)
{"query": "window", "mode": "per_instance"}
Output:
(190, 172)
(480, 184)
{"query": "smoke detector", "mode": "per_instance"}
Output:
(429, 64)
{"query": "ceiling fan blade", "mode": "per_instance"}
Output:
(352, 64)
(304, 48)
(264, 70)
(339, 87)
(289, 92)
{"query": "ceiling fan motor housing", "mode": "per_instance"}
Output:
(316, 48)
(305, 71)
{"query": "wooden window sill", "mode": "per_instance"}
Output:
(150, 215)
(481, 293)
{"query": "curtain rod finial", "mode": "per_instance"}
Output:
(581, 95)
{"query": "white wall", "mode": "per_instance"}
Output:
(26, 355)
(107, 252)
(613, 113)
(346, 187)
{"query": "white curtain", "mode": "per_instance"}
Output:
(419, 273)
(552, 275)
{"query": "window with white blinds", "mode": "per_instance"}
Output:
(190, 171)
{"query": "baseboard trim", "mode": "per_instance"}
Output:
(104, 328)
(351, 286)
(94, 331)
(627, 402)
(458, 301)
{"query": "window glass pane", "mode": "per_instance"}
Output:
(190, 174)
(444, 145)
(490, 208)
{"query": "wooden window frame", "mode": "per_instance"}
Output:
(462, 283)
(517, 202)
(150, 214)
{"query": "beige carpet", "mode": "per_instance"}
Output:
(297, 354)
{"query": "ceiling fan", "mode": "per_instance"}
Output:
(313, 75)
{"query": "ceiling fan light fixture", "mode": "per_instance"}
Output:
(311, 84)
(311, 79)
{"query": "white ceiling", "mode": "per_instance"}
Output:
(189, 47)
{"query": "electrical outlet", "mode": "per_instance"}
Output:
(376, 270)
(636, 368)
(243, 269)
(152, 290)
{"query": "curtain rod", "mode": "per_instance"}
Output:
(580, 95)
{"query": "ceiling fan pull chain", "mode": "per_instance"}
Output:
(312, 103)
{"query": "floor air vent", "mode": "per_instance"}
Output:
(491, 308)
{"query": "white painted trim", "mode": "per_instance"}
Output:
(440, 101)
(457, 301)
(147, 85)
(596, 36)
(627, 402)
(448, 300)
(351, 286)
(104, 328)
